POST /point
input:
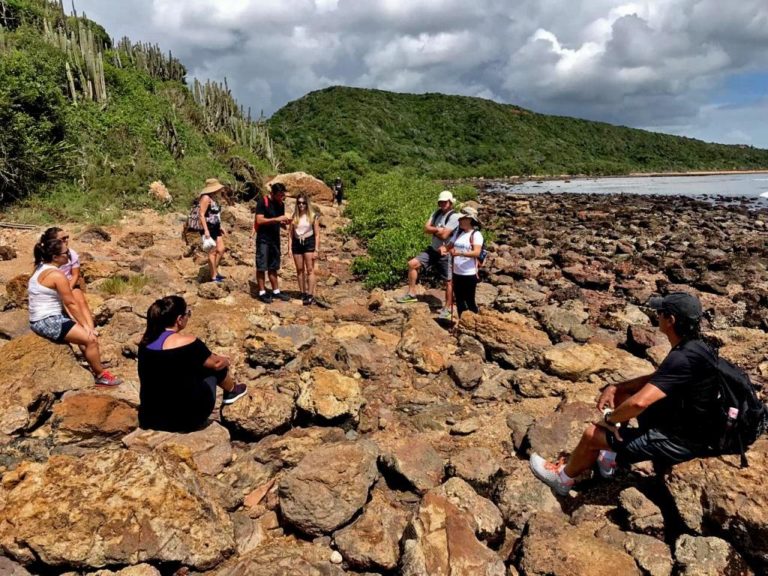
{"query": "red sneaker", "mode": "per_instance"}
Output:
(107, 379)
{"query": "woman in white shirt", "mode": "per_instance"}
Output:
(304, 231)
(54, 313)
(465, 246)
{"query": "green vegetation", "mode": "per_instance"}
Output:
(123, 284)
(349, 131)
(88, 126)
(388, 213)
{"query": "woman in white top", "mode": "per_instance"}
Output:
(71, 269)
(52, 307)
(304, 231)
(465, 246)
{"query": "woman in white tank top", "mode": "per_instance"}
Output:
(304, 232)
(49, 296)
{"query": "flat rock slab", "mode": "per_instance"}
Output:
(415, 460)
(283, 557)
(288, 449)
(551, 435)
(708, 556)
(519, 495)
(301, 336)
(477, 466)
(210, 448)
(33, 371)
(92, 417)
(13, 324)
(328, 487)
(440, 539)
(372, 542)
(112, 507)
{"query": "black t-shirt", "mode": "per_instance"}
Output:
(686, 376)
(269, 233)
(173, 395)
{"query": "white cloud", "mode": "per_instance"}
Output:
(656, 63)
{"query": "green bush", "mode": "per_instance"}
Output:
(387, 213)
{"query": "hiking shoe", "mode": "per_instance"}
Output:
(107, 379)
(549, 473)
(266, 298)
(281, 296)
(445, 314)
(406, 299)
(237, 392)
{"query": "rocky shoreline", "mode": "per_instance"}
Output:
(373, 440)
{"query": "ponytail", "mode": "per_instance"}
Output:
(46, 250)
(160, 315)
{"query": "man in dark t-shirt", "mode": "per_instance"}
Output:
(270, 218)
(674, 406)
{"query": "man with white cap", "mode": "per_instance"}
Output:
(441, 226)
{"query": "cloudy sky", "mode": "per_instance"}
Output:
(693, 67)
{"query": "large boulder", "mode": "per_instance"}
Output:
(112, 507)
(708, 556)
(287, 450)
(262, 411)
(328, 487)
(330, 395)
(33, 372)
(486, 517)
(715, 497)
(296, 182)
(414, 460)
(16, 290)
(440, 539)
(520, 494)
(92, 417)
(14, 323)
(552, 546)
(372, 542)
(425, 345)
(509, 338)
(577, 362)
(551, 435)
(210, 448)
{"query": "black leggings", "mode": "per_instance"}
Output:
(464, 288)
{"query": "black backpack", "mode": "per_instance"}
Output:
(736, 391)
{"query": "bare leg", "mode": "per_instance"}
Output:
(83, 303)
(309, 263)
(212, 263)
(90, 347)
(298, 259)
(228, 383)
(448, 293)
(219, 251)
(272, 279)
(413, 274)
(586, 452)
(260, 280)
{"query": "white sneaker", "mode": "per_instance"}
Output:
(445, 314)
(549, 474)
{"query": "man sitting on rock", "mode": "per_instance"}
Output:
(674, 406)
(441, 226)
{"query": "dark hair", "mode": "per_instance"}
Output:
(46, 250)
(278, 187)
(51, 234)
(685, 328)
(161, 314)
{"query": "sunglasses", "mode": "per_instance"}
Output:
(64, 238)
(301, 203)
(188, 313)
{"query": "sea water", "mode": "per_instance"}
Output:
(728, 187)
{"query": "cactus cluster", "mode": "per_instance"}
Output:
(150, 59)
(85, 63)
(222, 113)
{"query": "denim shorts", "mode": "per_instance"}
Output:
(54, 328)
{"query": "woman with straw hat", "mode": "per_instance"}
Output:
(210, 219)
(465, 247)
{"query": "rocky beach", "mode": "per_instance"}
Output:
(374, 440)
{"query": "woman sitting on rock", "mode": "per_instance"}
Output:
(72, 271)
(304, 231)
(49, 295)
(465, 246)
(178, 373)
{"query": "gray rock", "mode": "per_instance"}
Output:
(708, 556)
(466, 371)
(300, 335)
(642, 514)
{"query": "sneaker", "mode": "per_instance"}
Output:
(107, 379)
(266, 298)
(606, 464)
(219, 277)
(237, 392)
(549, 473)
(445, 314)
(408, 298)
(281, 296)
(218, 280)
(309, 300)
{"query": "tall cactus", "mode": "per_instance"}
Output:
(150, 59)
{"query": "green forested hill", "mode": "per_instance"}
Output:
(87, 125)
(349, 129)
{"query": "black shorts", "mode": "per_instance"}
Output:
(214, 230)
(639, 445)
(303, 246)
(267, 256)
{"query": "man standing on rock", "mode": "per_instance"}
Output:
(270, 217)
(675, 406)
(441, 226)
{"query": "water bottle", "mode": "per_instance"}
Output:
(730, 423)
(606, 459)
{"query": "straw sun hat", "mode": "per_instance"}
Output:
(471, 213)
(211, 185)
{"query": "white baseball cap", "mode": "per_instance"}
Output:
(445, 196)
